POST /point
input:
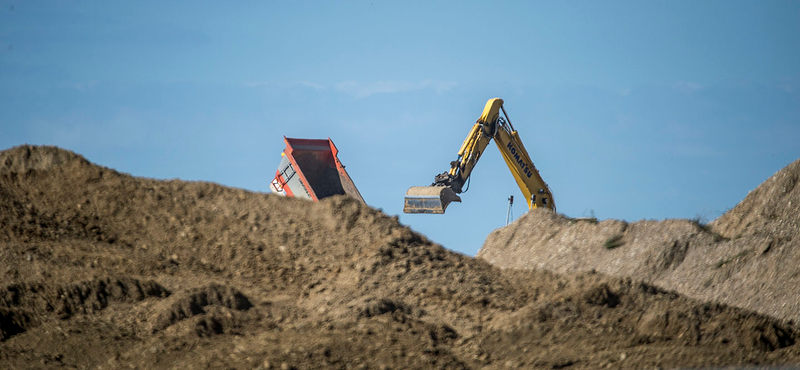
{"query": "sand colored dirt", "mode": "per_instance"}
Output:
(100, 269)
(749, 257)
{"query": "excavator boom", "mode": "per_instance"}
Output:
(447, 185)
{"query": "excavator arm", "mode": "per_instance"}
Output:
(471, 150)
(446, 186)
(530, 182)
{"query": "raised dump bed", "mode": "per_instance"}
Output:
(310, 169)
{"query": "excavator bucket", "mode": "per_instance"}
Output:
(310, 169)
(429, 199)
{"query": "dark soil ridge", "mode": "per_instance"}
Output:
(749, 257)
(23, 304)
(234, 279)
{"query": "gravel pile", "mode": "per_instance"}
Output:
(749, 257)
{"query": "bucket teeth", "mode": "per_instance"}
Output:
(429, 199)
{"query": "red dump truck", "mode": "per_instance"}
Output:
(310, 169)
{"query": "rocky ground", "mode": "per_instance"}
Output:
(99, 269)
(749, 257)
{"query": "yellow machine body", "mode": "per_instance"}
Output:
(490, 125)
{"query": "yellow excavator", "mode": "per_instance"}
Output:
(447, 185)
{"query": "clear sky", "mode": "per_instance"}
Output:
(630, 109)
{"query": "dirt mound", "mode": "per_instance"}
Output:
(26, 158)
(747, 258)
(24, 302)
(197, 301)
(771, 210)
(101, 269)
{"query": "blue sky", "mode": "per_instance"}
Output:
(630, 110)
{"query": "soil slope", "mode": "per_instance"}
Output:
(749, 257)
(101, 269)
